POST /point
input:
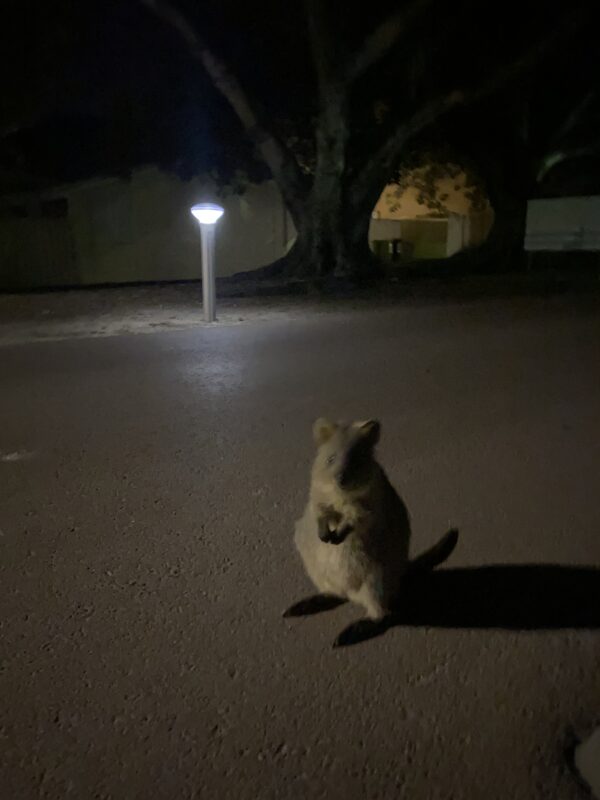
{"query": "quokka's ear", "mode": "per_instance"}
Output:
(369, 430)
(323, 430)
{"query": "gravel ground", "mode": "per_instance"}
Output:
(148, 489)
(113, 311)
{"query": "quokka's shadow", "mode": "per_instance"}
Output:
(510, 596)
(519, 597)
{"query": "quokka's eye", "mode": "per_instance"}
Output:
(330, 459)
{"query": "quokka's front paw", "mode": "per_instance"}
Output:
(360, 631)
(340, 534)
(328, 523)
(333, 530)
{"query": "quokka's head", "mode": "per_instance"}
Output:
(345, 452)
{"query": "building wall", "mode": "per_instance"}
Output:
(462, 228)
(36, 252)
(138, 230)
(563, 224)
(457, 232)
(428, 237)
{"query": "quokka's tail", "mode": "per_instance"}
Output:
(437, 554)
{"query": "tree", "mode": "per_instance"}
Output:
(425, 170)
(542, 140)
(329, 111)
(545, 142)
(354, 149)
(80, 98)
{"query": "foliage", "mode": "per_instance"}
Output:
(425, 171)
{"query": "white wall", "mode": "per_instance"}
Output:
(142, 230)
(563, 223)
(457, 232)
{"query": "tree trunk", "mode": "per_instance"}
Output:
(331, 229)
(503, 249)
(329, 246)
(509, 181)
(327, 228)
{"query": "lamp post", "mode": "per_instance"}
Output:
(207, 215)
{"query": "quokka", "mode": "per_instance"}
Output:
(354, 534)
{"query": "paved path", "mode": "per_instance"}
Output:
(148, 488)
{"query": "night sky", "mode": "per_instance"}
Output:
(103, 86)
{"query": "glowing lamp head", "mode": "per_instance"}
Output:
(207, 213)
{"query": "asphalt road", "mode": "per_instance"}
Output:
(148, 490)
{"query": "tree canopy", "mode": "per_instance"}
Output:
(330, 104)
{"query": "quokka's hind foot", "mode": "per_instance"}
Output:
(314, 605)
(361, 631)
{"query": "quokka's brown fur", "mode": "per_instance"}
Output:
(354, 534)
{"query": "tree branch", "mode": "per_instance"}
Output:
(382, 162)
(573, 118)
(384, 37)
(276, 155)
(322, 46)
(9, 129)
(554, 159)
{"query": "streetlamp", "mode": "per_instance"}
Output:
(207, 214)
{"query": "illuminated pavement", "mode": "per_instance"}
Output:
(148, 489)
